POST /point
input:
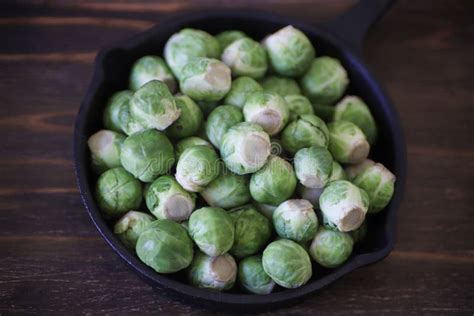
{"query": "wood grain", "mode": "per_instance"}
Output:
(53, 261)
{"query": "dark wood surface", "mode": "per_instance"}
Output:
(52, 260)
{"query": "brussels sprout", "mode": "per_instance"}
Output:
(117, 192)
(287, 263)
(295, 220)
(331, 248)
(354, 110)
(290, 51)
(307, 130)
(117, 105)
(187, 142)
(343, 205)
(147, 155)
(347, 143)
(325, 81)
(227, 190)
(227, 37)
(190, 120)
(150, 68)
(253, 278)
(354, 170)
(298, 105)
(245, 148)
(207, 106)
(252, 231)
(337, 173)
(165, 246)
(246, 57)
(188, 44)
(130, 226)
(197, 167)
(105, 147)
(185, 225)
(274, 183)
(205, 79)
(212, 229)
(214, 273)
(268, 110)
(359, 234)
(325, 112)
(240, 89)
(153, 106)
(313, 166)
(265, 209)
(378, 182)
(281, 85)
(166, 199)
(220, 120)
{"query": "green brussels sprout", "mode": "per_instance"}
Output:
(298, 105)
(253, 278)
(325, 81)
(212, 229)
(165, 246)
(268, 110)
(220, 120)
(307, 130)
(347, 143)
(358, 235)
(130, 226)
(188, 44)
(281, 85)
(153, 106)
(295, 220)
(197, 167)
(105, 147)
(117, 192)
(207, 106)
(147, 155)
(313, 194)
(379, 183)
(190, 120)
(337, 173)
(354, 110)
(266, 209)
(205, 79)
(213, 272)
(228, 190)
(252, 231)
(276, 147)
(150, 68)
(331, 248)
(185, 225)
(290, 51)
(274, 182)
(240, 89)
(313, 166)
(287, 263)
(166, 199)
(246, 57)
(325, 112)
(187, 142)
(117, 116)
(245, 148)
(343, 205)
(354, 170)
(228, 37)
(146, 187)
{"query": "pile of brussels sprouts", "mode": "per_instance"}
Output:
(240, 178)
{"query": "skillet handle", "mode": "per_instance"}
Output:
(352, 26)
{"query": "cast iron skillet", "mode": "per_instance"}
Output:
(341, 38)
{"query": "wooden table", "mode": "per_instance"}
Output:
(52, 260)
